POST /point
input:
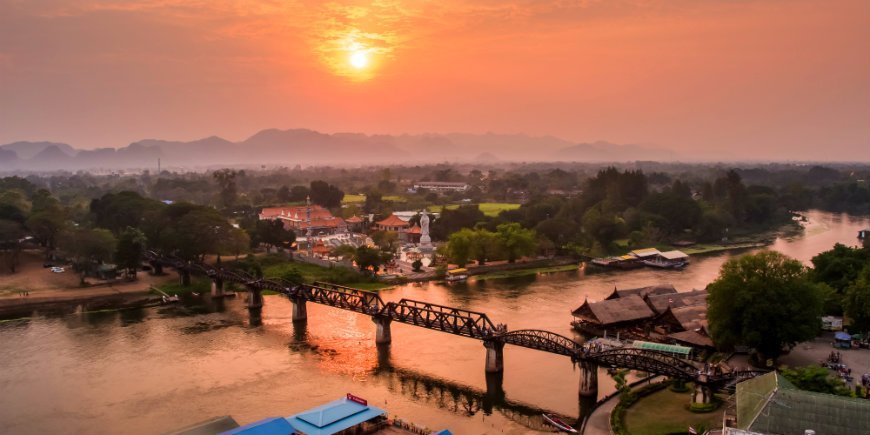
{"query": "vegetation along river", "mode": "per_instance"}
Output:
(152, 370)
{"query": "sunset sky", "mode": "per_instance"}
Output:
(737, 79)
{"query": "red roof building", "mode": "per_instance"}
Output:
(393, 223)
(296, 218)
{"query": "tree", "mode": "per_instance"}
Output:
(226, 179)
(484, 246)
(87, 247)
(130, 251)
(388, 241)
(459, 246)
(417, 265)
(118, 211)
(193, 231)
(815, 378)
(271, 232)
(10, 234)
(856, 303)
(765, 301)
(237, 242)
(344, 251)
(368, 259)
(515, 241)
(325, 194)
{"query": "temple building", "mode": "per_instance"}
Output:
(296, 218)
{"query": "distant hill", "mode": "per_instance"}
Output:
(308, 147)
(28, 150)
(607, 152)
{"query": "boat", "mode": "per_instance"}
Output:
(666, 264)
(623, 262)
(558, 423)
(457, 275)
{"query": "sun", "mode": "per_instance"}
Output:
(359, 59)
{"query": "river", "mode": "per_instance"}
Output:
(152, 370)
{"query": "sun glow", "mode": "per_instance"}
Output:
(359, 59)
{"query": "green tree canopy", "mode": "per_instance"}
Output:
(816, 378)
(131, 249)
(765, 301)
(459, 246)
(515, 241)
(856, 303)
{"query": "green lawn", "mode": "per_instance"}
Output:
(311, 273)
(665, 412)
(351, 198)
(488, 208)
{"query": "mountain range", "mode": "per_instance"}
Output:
(275, 147)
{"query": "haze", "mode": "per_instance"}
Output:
(715, 79)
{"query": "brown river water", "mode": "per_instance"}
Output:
(151, 370)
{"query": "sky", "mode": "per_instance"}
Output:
(724, 79)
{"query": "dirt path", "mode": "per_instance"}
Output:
(46, 286)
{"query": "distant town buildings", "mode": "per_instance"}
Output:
(441, 186)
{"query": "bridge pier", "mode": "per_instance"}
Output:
(217, 288)
(588, 379)
(494, 355)
(383, 334)
(300, 309)
(255, 306)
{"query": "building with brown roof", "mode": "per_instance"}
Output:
(643, 292)
(611, 314)
(661, 302)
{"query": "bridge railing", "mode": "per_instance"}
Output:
(440, 317)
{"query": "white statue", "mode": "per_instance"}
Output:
(425, 240)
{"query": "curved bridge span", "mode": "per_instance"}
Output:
(452, 320)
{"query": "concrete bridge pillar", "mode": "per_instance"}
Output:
(255, 306)
(300, 309)
(383, 335)
(588, 378)
(217, 288)
(494, 355)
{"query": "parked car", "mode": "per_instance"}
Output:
(57, 269)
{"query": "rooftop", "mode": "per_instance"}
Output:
(612, 311)
(661, 302)
(393, 221)
(771, 404)
(662, 289)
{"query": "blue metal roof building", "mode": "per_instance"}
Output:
(323, 420)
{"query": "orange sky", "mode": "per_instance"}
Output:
(739, 79)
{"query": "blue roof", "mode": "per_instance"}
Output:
(333, 417)
(267, 426)
(840, 335)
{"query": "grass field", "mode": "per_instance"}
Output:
(488, 208)
(665, 412)
(351, 198)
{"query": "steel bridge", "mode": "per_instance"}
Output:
(452, 320)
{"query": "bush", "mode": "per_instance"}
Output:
(701, 408)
